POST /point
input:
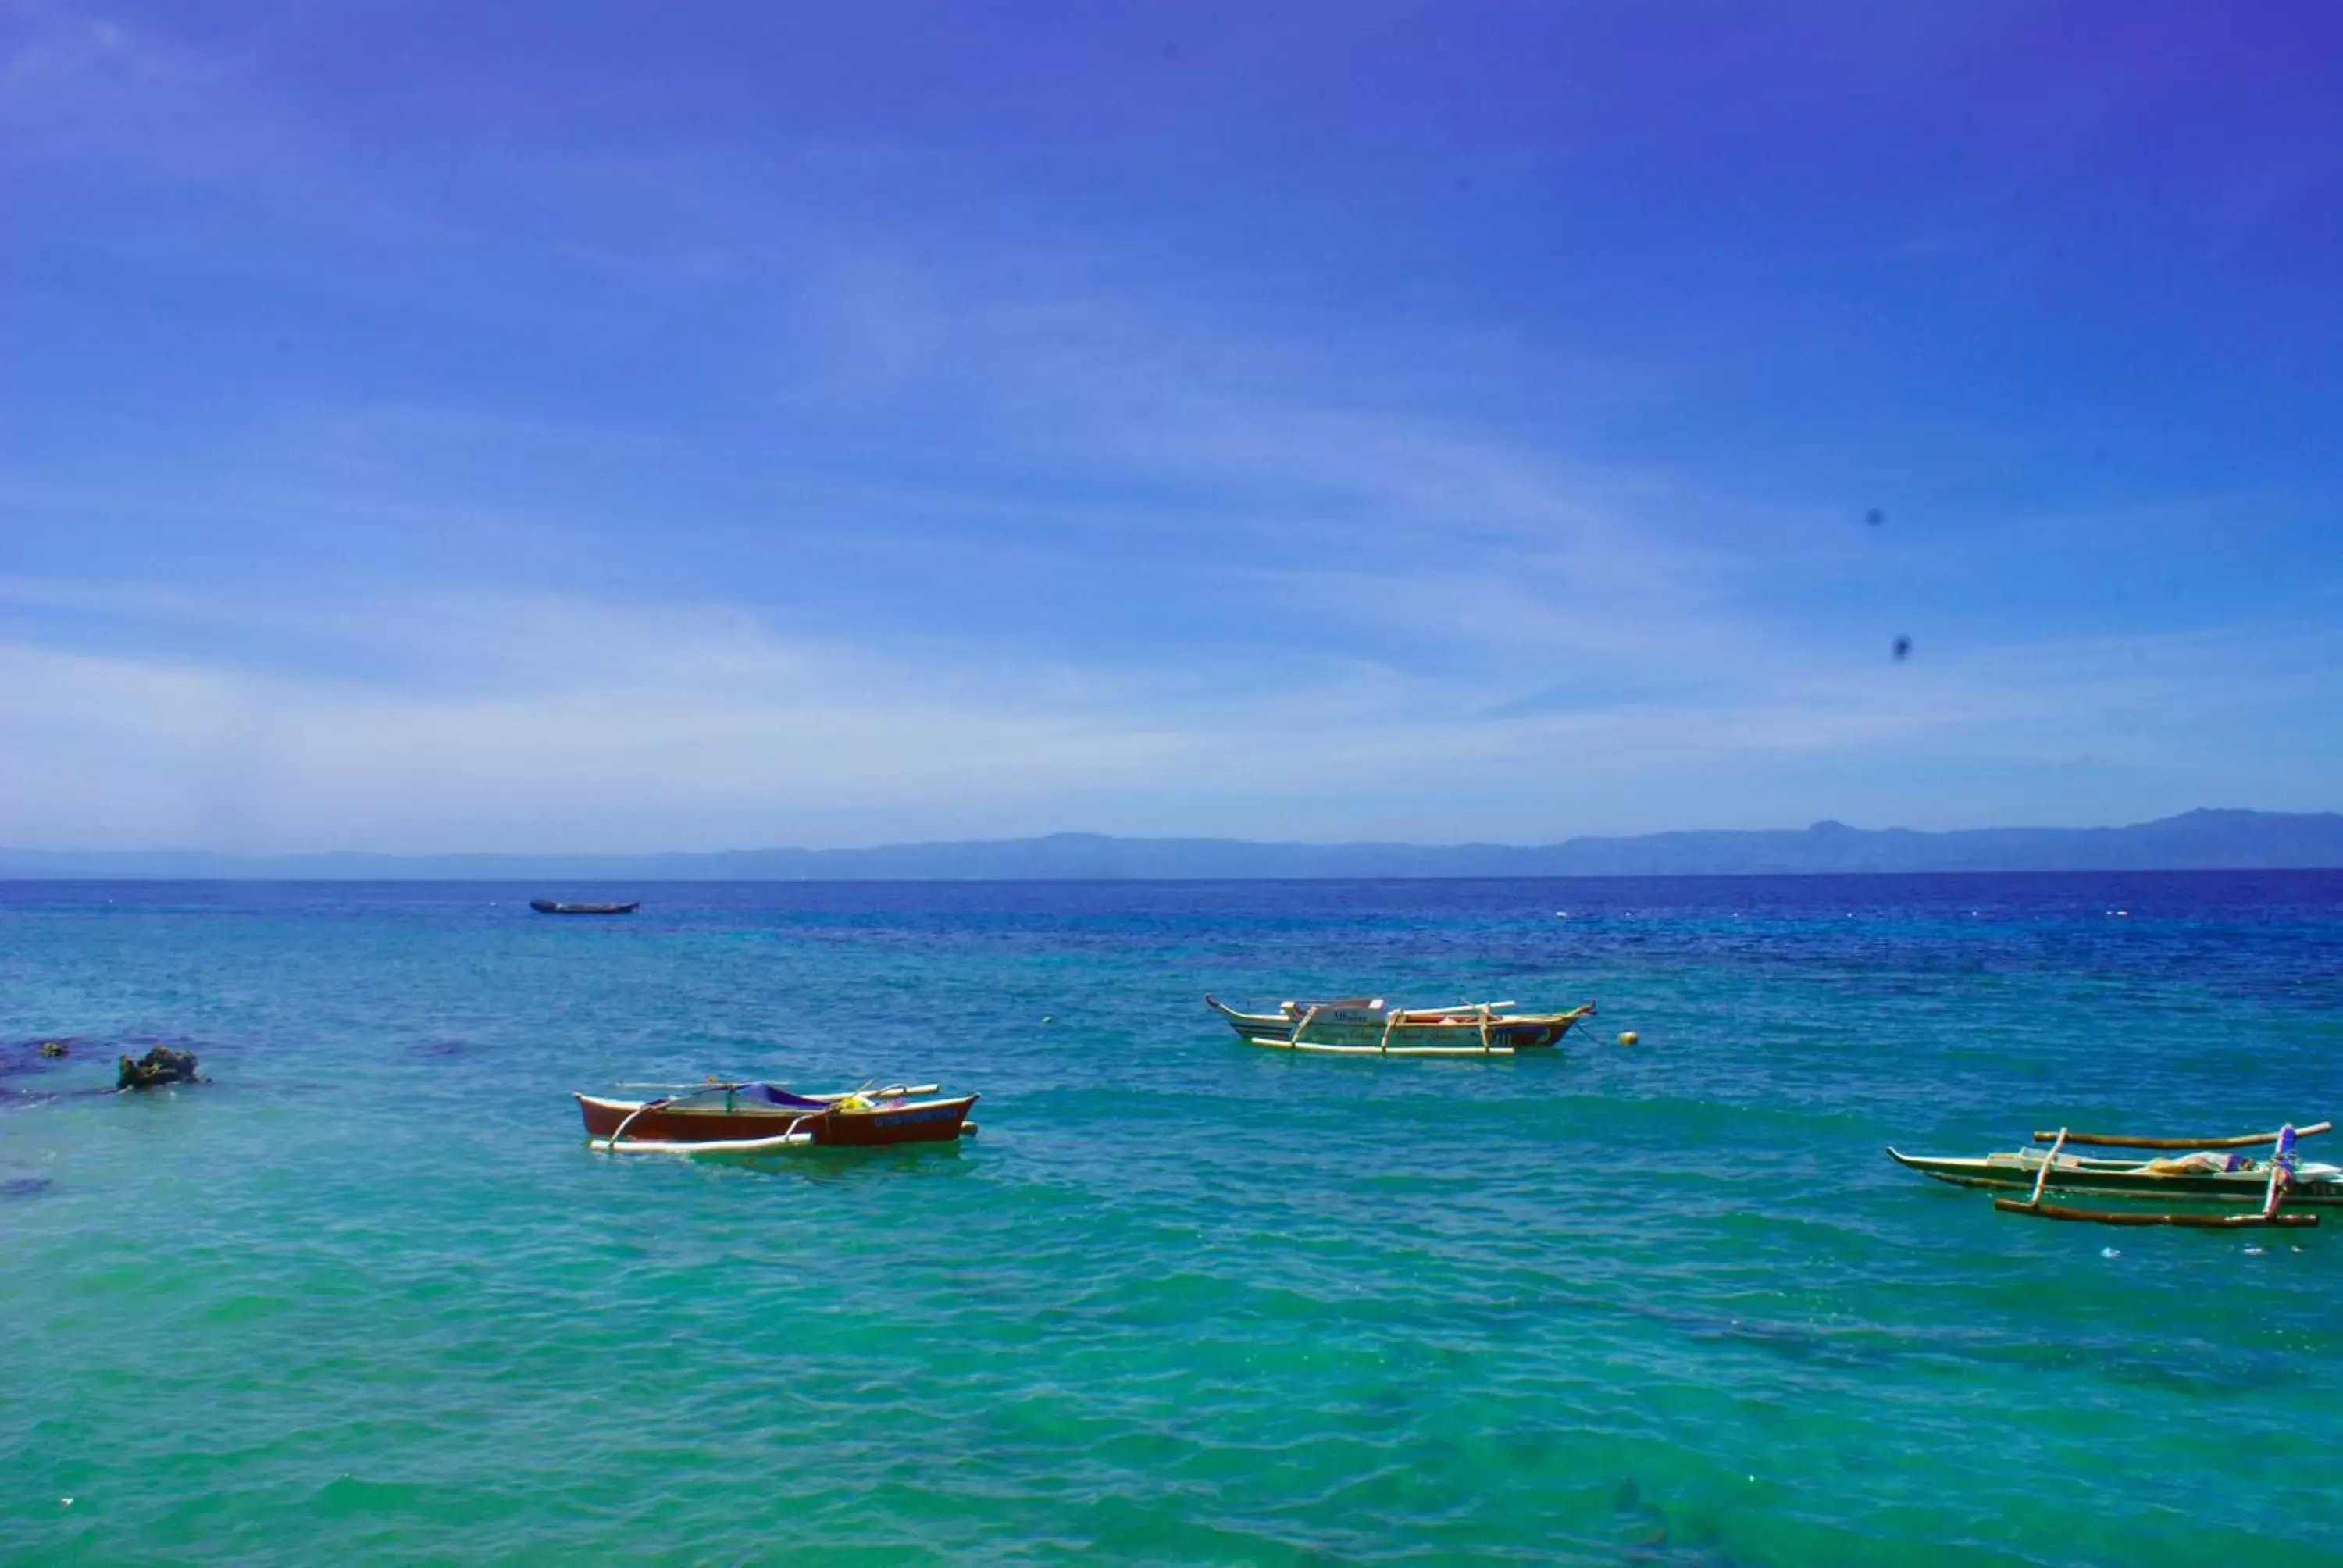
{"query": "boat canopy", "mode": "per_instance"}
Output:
(730, 1095)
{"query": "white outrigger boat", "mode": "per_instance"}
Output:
(2208, 1170)
(1364, 1026)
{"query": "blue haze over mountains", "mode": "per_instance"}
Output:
(2201, 839)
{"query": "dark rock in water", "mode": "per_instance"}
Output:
(24, 1186)
(38, 1054)
(160, 1065)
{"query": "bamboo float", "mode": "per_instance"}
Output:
(2132, 1217)
(1384, 1050)
(792, 1139)
(2248, 1140)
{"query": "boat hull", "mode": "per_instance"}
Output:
(884, 1124)
(2017, 1173)
(550, 906)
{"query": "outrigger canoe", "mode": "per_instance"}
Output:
(1364, 1026)
(2277, 1189)
(765, 1118)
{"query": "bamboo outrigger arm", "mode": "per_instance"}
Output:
(2110, 1141)
(892, 1091)
(1461, 1007)
(2042, 1176)
(611, 1145)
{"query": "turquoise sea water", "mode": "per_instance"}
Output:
(367, 1297)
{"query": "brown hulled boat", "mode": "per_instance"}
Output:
(755, 1118)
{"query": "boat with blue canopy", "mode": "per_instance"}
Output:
(754, 1117)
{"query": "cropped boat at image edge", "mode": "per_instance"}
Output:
(1363, 1026)
(2207, 1172)
(756, 1117)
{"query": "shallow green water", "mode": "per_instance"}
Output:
(367, 1297)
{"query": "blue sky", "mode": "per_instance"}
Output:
(589, 426)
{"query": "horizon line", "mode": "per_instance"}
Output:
(1824, 826)
(2203, 839)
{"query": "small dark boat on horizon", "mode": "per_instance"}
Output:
(551, 907)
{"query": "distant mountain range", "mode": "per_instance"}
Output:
(2194, 840)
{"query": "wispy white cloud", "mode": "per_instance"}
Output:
(57, 48)
(81, 88)
(558, 723)
(597, 724)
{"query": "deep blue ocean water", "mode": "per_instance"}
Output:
(367, 1296)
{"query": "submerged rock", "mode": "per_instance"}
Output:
(160, 1065)
(38, 1054)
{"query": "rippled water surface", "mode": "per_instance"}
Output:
(369, 1297)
